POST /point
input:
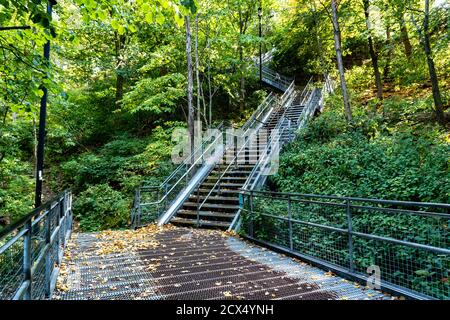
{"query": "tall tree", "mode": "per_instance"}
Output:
(340, 63)
(405, 35)
(119, 45)
(424, 36)
(190, 88)
(373, 53)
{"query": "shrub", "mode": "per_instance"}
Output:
(100, 208)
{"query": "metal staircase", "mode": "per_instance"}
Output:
(206, 193)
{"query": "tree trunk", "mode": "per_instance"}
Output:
(439, 106)
(337, 46)
(241, 60)
(190, 88)
(197, 69)
(373, 54)
(319, 42)
(405, 37)
(387, 67)
(120, 79)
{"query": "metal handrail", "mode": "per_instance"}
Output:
(346, 217)
(267, 153)
(274, 138)
(136, 212)
(185, 162)
(184, 175)
(246, 134)
(31, 250)
(263, 106)
(260, 110)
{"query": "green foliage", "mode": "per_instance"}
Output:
(372, 160)
(122, 163)
(100, 208)
(155, 97)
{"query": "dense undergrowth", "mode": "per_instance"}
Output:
(391, 158)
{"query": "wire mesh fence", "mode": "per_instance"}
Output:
(31, 250)
(409, 243)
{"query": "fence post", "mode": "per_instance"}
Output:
(27, 260)
(235, 149)
(48, 267)
(350, 235)
(61, 229)
(250, 202)
(139, 210)
(291, 242)
(198, 206)
(166, 189)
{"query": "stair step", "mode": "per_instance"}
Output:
(223, 185)
(229, 178)
(222, 191)
(205, 223)
(231, 198)
(231, 172)
(210, 214)
(212, 206)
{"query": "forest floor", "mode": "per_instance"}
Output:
(180, 263)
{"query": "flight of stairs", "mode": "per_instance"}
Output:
(222, 205)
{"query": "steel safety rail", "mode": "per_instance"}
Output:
(262, 109)
(283, 129)
(198, 152)
(31, 250)
(166, 190)
(404, 247)
(152, 210)
(327, 89)
(222, 173)
(285, 102)
(311, 105)
(275, 79)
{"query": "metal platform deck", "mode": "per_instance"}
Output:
(182, 263)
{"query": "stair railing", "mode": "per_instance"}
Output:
(262, 110)
(233, 162)
(258, 174)
(275, 79)
(152, 201)
(255, 123)
(31, 250)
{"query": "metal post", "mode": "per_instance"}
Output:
(250, 202)
(48, 266)
(61, 229)
(139, 211)
(166, 202)
(27, 260)
(198, 206)
(235, 147)
(42, 123)
(260, 42)
(350, 235)
(291, 242)
(219, 180)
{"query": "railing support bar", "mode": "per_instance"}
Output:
(350, 235)
(291, 241)
(27, 260)
(48, 266)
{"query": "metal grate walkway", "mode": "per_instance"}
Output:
(191, 264)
